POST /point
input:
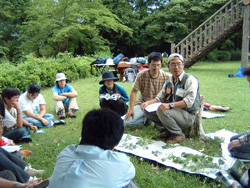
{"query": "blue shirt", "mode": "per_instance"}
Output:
(121, 91)
(67, 88)
(86, 166)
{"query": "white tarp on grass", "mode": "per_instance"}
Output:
(210, 115)
(154, 151)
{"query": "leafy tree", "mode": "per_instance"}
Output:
(133, 14)
(175, 20)
(68, 25)
(11, 17)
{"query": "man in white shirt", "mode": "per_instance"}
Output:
(33, 107)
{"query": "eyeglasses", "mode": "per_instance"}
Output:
(155, 65)
(173, 65)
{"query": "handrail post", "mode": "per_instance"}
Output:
(245, 37)
(172, 48)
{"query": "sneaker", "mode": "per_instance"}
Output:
(72, 113)
(61, 114)
(61, 122)
(176, 139)
(31, 171)
(33, 178)
(25, 139)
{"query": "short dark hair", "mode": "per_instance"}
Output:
(33, 88)
(2, 109)
(102, 128)
(155, 56)
(246, 71)
(9, 92)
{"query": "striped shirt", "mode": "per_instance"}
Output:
(149, 87)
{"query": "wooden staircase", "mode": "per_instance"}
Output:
(209, 35)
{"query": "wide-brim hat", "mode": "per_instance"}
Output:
(108, 75)
(60, 76)
(175, 56)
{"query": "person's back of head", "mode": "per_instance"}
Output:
(9, 92)
(155, 56)
(102, 128)
(33, 88)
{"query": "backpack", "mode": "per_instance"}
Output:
(129, 75)
(136, 68)
(118, 58)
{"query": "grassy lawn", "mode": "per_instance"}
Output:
(215, 85)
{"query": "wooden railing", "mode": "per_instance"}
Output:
(210, 32)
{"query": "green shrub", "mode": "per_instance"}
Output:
(210, 57)
(224, 56)
(216, 55)
(43, 71)
(235, 55)
(103, 54)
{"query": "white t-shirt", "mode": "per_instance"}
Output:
(32, 106)
(10, 117)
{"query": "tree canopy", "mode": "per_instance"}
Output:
(83, 27)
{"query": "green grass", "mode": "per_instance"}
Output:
(215, 85)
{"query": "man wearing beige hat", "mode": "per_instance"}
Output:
(180, 100)
(65, 97)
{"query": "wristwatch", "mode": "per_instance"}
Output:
(171, 105)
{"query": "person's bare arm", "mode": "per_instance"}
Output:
(19, 119)
(234, 143)
(145, 104)
(32, 127)
(58, 97)
(9, 184)
(42, 110)
(132, 104)
(36, 116)
(71, 94)
(33, 115)
(165, 106)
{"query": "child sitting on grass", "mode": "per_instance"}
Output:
(93, 163)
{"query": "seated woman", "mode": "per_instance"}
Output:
(15, 127)
(33, 108)
(111, 95)
(10, 162)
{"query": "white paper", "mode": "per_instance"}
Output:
(153, 107)
(12, 148)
